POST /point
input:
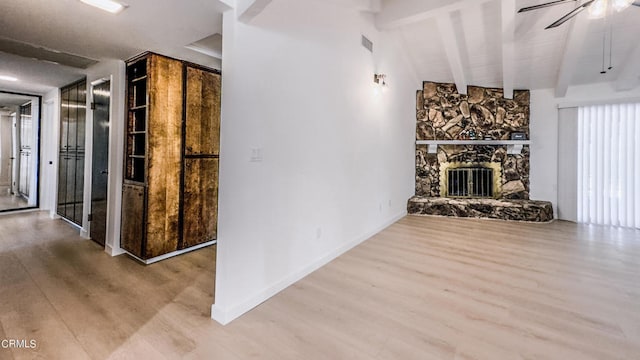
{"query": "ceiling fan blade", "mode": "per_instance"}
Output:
(536, 7)
(570, 15)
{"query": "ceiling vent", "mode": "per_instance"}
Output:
(44, 54)
(368, 44)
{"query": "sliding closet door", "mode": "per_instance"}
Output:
(26, 139)
(71, 161)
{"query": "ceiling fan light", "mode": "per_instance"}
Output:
(619, 5)
(598, 9)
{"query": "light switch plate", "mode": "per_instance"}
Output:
(256, 155)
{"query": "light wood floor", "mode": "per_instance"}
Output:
(8, 201)
(425, 288)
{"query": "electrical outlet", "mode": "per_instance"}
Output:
(256, 155)
(318, 233)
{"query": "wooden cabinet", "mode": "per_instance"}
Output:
(170, 187)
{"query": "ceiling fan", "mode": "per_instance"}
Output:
(597, 8)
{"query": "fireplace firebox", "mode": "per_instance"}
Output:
(470, 180)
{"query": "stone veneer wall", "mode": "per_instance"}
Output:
(443, 114)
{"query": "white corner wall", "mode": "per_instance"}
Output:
(313, 161)
(544, 133)
(543, 173)
(49, 135)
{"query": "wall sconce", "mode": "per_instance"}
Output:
(380, 80)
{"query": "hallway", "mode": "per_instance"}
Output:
(77, 302)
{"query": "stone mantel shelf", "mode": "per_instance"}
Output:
(513, 146)
(473, 142)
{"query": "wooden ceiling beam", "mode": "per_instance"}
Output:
(401, 13)
(251, 9)
(452, 48)
(508, 46)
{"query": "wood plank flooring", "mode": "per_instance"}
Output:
(8, 201)
(424, 288)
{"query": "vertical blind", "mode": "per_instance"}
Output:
(609, 165)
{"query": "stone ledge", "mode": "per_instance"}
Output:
(504, 209)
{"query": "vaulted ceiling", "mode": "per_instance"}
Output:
(469, 42)
(487, 43)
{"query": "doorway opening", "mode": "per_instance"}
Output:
(100, 103)
(19, 150)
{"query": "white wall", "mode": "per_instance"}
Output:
(49, 136)
(567, 207)
(544, 147)
(544, 132)
(337, 160)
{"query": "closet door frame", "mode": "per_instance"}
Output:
(34, 191)
(72, 154)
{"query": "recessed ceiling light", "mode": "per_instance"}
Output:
(8, 78)
(111, 6)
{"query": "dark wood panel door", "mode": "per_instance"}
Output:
(200, 201)
(132, 227)
(164, 131)
(202, 116)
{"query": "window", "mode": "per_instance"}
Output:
(609, 165)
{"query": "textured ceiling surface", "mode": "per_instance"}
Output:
(72, 27)
(469, 47)
(538, 53)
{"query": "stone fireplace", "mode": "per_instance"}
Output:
(511, 174)
(466, 161)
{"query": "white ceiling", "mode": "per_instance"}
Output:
(164, 26)
(11, 101)
(538, 54)
(471, 53)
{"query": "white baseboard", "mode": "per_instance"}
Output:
(113, 251)
(19, 211)
(226, 315)
(71, 223)
(171, 254)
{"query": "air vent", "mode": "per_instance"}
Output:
(368, 44)
(44, 54)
